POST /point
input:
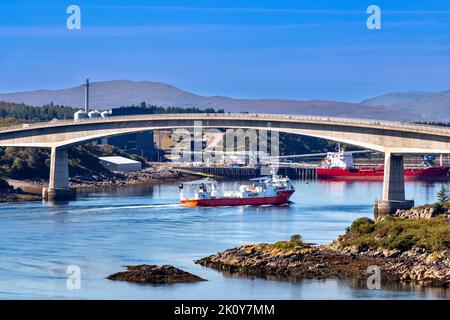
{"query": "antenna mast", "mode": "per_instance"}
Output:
(86, 97)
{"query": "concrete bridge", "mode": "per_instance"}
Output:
(393, 138)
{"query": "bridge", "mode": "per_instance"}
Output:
(394, 139)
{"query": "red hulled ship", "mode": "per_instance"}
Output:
(339, 165)
(265, 190)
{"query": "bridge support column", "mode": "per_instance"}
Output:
(58, 188)
(393, 187)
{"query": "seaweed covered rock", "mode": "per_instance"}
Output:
(154, 274)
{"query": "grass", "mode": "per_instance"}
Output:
(292, 246)
(400, 234)
(8, 122)
(294, 243)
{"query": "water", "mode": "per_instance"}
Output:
(100, 232)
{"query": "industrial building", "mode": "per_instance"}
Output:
(142, 143)
(116, 163)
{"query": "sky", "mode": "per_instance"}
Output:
(311, 49)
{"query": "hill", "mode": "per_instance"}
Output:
(110, 94)
(429, 105)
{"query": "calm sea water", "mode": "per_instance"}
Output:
(101, 232)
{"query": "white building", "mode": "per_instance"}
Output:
(120, 164)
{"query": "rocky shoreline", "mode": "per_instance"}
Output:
(322, 262)
(294, 260)
(10, 194)
(125, 179)
(31, 189)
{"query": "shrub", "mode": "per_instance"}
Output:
(383, 233)
(401, 234)
(362, 226)
(442, 195)
(403, 242)
(294, 243)
(296, 238)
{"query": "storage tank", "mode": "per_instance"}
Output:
(106, 114)
(94, 114)
(80, 114)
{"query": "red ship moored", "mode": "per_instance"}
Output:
(339, 165)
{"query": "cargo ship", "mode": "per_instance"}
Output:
(270, 190)
(339, 165)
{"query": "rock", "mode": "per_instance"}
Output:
(393, 253)
(146, 176)
(153, 274)
(419, 213)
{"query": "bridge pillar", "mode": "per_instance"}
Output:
(58, 187)
(393, 187)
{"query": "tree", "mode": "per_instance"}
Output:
(443, 195)
(296, 238)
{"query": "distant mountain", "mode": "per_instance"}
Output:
(428, 105)
(110, 94)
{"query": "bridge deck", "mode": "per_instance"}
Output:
(392, 125)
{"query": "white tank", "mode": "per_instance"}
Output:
(95, 114)
(80, 114)
(106, 114)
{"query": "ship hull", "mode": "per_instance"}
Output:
(431, 173)
(281, 198)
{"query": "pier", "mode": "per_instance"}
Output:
(293, 172)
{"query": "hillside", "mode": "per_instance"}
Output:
(430, 105)
(109, 94)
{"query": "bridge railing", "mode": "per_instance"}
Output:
(243, 116)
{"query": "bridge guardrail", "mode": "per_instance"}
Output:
(243, 116)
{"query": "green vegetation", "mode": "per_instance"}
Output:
(16, 113)
(21, 112)
(434, 123)
(443, 195)
(294, 144)
(295, 243)
(398, 233)
(4, 185)
(443, 203)
(402, 234)
(34, 163)
(151, 109)
(20, 162)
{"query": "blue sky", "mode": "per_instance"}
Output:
(254, 49)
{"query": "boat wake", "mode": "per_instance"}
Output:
(145, 206)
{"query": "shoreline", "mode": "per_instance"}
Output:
(128, 179)
(9, 193)
(344, 258)
(33, 188)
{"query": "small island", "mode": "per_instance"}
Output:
(153, 274)
(413, 246)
